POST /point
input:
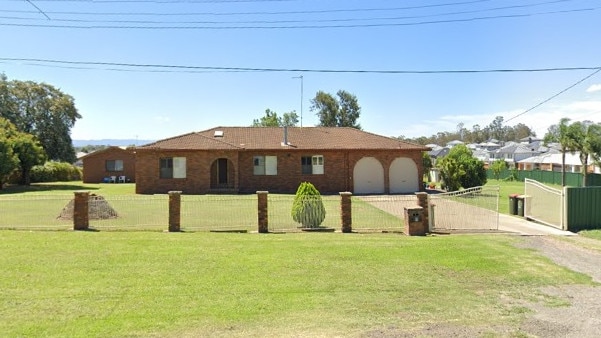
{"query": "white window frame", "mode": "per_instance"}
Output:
(178, 167)
(265, 165)
(317, 164)
(117, 165)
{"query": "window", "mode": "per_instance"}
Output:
(312, 165)
(265, 165)
(172, 167)
(114, 165)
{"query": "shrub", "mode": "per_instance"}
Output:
(55, 172)
(308, 208)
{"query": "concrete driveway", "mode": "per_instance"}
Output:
(522, 226)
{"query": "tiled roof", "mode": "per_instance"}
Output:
(271, 138)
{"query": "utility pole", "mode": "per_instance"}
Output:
(301, 98)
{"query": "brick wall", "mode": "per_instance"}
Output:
(94, 164)
(200, 165)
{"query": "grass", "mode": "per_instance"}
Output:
(38, 206)
(138, 284)
(594, 234)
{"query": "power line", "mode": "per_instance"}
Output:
(556, 95)
(278, 21)
(38, 8)
(146, 67)
(367, 25)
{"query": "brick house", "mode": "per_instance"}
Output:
(249, 159)
(111, 162)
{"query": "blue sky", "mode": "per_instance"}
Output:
(151, 103)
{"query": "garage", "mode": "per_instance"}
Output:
(403, 176)
(368, 176)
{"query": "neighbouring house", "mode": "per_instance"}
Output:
(514, 152)
(250, 159)
(551, 161)
(114, 164)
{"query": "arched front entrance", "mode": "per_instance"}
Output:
(403, 176)
(222, 174)
(368, 176)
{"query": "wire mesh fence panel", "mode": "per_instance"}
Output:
(544, 204)
(470, 209)
(380, 213)
(280, 215)
(129, 212)
(35, 212)
(219, 213)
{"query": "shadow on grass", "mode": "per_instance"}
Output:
(41, 187)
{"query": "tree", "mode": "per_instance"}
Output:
(427, 163)
(498, 166)
(271, 119)
(586, 139)
(307, 207)
(30, 153)
(8, 160)
(343, 111)
(43, 111)
(561, 133)
(460, 169)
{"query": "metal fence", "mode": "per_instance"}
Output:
(197, 212)
(544, 204)
(470, 209)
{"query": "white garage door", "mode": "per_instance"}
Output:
(368, 176)
(403, 176)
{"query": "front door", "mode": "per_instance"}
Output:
(222, 170)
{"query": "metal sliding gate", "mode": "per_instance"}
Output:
(470, 209)
(545, 204)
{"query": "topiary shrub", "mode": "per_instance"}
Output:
(307, 208)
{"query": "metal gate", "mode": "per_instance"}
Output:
(470, 209)
(544, 204)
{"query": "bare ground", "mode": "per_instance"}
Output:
(577, 312)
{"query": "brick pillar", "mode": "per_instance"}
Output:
(346, 214)
(81, 220)
(422, 201)
(262, 211)
(175, 201)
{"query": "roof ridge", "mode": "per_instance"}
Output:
(217, 140)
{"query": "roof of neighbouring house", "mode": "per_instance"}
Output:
(108, 149)
(272, 138)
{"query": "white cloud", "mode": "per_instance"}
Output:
(162, 119)
(594, 88)
(538, 120)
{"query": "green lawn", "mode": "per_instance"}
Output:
(38, 207)
(139, 284)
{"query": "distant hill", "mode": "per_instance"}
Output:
(110, 142)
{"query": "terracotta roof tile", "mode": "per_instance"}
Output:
(273, 138)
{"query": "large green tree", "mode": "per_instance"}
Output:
(562, 133)
(9, 162)
(271, 119)
(43, 111)
(461, 169)
(586, 139)
(30, 153)
(340, 111)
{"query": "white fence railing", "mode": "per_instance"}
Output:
(545, 204)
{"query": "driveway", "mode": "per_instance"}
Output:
(521, 226)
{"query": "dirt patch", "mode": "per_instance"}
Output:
(98, 208)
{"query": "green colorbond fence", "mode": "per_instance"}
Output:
(550, 177)
(583, 208)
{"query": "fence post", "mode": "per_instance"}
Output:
(175, 201)
(422, 201)
(262, 211)
(346, 213)
(81, 220)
